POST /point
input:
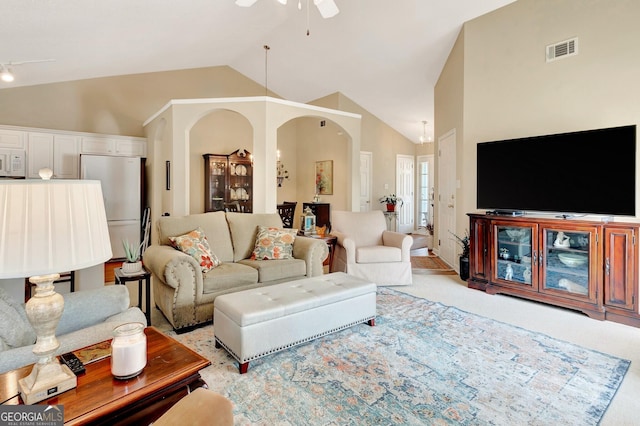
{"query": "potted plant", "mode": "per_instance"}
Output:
(391, 200)
(132, 264)
(464, 256)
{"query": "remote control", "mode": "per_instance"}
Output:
(74, 364)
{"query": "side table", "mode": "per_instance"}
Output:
(122, 278)
(331, 241)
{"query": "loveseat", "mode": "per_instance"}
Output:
(185, 294)
(89, 317)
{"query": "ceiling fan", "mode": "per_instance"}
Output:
(6, 71)
(327, 8)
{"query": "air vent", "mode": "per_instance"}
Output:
(562, 49)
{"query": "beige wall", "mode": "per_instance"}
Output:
(507, 89)
(117, 105)
(382, 140)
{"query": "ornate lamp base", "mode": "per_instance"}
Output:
(45, 381)
(48, 377)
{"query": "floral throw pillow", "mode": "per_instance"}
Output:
(195, 244)
(274, 243)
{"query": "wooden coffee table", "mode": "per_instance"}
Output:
(172, 371)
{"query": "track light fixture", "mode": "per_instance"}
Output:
(5, 74)
(6, 68)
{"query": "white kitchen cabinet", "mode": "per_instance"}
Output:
(114, 146)
(58, 152)
(12, 139)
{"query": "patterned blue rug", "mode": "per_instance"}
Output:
(423, 363)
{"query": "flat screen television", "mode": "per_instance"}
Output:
(586, 172)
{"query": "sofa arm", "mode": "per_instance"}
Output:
(402, 241)
(83, 309)
(313, 251)
(159, 258)
(177, 281)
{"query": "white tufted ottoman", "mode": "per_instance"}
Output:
(253, 323)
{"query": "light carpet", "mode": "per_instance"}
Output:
(423, 363)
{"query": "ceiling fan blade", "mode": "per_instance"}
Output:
(327, 8)
(245, 3)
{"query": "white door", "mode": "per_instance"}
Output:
(366, 162)
(404, 190)
(447, 197)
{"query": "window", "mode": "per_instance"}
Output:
(425, 191)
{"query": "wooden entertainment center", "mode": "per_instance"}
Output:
(589, 266)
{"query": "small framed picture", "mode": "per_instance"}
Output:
(324, 177)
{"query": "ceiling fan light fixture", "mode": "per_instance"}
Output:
(246, 3)
(327, 8)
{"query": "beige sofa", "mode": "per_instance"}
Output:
(185, 295)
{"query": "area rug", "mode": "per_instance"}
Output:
(423, 363)
(430, 265)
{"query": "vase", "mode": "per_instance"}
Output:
(391, 207)
(132, 267)
(464, 268)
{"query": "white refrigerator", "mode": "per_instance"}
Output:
(121, 179)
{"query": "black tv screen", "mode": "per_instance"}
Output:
(586, 172)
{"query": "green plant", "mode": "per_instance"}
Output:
(391, 199)
(464, 243)
(131, 252)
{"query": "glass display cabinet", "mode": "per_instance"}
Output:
(228, 179)
(514, 254)
(566, 262)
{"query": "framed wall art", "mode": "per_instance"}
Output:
(324, 177)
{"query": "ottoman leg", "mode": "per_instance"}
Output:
(243, 367)
(372, 322)
(218, 345)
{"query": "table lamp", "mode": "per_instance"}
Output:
(47, 227)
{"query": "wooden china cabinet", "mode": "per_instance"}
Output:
(228, 179)
(584, 265)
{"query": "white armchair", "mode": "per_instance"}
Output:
(366, 249)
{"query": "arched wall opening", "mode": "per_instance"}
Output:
(265, 117)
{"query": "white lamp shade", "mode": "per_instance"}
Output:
(51, 226)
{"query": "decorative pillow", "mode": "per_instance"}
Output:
(15, 329)
(274, 243)
(195, 244)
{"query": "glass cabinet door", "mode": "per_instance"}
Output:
(566, 262)
(215, 182)
(513, 255)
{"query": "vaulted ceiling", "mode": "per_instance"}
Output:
(385, 55)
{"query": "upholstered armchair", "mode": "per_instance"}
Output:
(366, 249)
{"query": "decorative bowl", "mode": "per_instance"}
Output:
(516, 234)
(572, 260)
